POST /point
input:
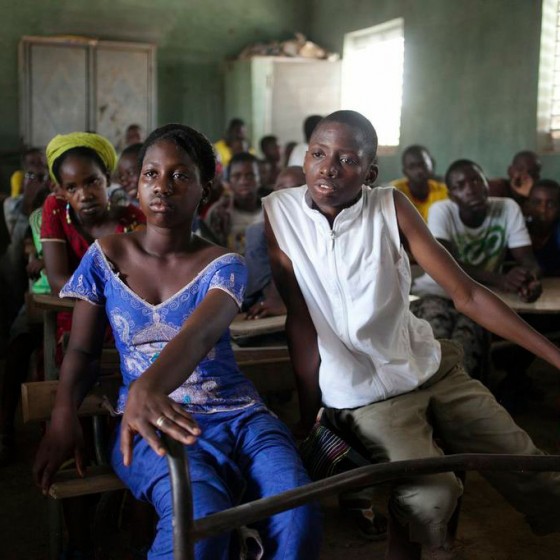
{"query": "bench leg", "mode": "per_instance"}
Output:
(55, 528)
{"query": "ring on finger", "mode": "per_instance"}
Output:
(160, 421)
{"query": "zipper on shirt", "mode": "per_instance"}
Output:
(341, 294)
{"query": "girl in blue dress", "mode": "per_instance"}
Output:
(169, 297)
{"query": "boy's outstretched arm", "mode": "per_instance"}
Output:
(301, 333)
(469, 297)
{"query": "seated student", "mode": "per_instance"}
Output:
(270, 165)
(543, 222)
(418, 184)
(21, 338)
(337, 250)
(477, 231)
(179, 372)
(235, 141)
(262, 298)
(524, 170)
(81, 164)
(13, 277)
(127, 176)
(133, 135)
(229, 218)
(297, 155)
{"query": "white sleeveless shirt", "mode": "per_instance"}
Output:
(355, 279)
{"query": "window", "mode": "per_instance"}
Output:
(548, 116)
(372, 78)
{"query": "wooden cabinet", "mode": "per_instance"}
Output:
(75, 84)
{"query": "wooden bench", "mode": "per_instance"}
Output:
(38, 399)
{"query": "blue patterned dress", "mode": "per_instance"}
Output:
(243, 453)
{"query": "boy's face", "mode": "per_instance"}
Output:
(544, 206)
(336, 167)
(523, 172)
(272, 151)
(469, 189)
(289, 178)
(244, 179)
(418, 167)
(127, 174)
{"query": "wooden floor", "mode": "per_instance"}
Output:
(489, 528)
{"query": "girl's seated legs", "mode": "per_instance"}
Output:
(241, 456)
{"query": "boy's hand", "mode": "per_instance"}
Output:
(531, 290)
(268, 307)
(515, 279)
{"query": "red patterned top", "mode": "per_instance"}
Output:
(55, 226)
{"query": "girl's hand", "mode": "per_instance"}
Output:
(63, 439)
(148, 411)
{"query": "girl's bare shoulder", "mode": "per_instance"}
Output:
(120, 245)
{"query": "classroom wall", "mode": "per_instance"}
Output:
(470, 77)
(193, 38)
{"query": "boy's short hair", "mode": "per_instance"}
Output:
(358, 121)
(414, 149)
(267, 141)
(547, 184)
(310, 124)
(235, 123)
(241, 157)
(460, 164)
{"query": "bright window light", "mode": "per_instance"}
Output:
(548, 115)
(372, 77)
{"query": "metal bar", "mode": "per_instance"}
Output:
(183, 541)
(367, 476)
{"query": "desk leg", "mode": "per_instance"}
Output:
(49, 345)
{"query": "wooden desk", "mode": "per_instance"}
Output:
(549, 302)
(51, 305)
(246, 357)
(241, 328)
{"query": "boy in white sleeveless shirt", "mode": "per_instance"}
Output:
(338, 256)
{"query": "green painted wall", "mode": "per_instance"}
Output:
(471, 74)
(193, 38)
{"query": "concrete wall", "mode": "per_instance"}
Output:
(470, 77)
(193, 37)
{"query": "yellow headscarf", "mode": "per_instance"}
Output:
(64, 142)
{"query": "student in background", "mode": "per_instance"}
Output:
(298, 153)
(270, 165)
(288, 149)
(523, 171)
(477, 231)
(22, 337)
(229, 218)
(127, 173)
(418, 184)
(543, 221)
(262, 298)
(235, 141)
(133, 135)
(179, 371)
(337, 250)
(16, 212)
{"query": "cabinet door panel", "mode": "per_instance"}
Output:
(58, 101)
(123, 91)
